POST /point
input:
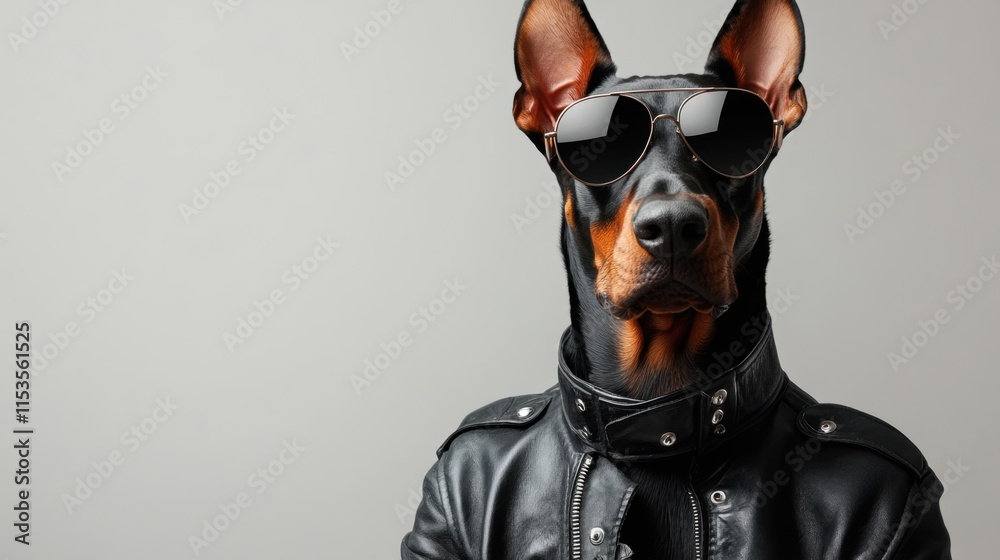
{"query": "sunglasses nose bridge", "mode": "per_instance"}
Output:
(665, 116)
(671, 118)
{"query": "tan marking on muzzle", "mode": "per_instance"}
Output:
(618, 257)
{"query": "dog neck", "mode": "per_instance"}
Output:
(675, 350)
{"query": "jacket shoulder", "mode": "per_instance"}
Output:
(895, 514)
(827, 422)
(510, 412)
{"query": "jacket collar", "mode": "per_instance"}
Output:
(695, 419)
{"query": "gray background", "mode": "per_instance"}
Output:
(877, 101)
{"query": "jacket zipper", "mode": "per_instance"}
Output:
(576, 505)
(697, 525)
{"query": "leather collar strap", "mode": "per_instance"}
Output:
(696, 419)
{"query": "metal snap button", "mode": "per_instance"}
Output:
(720, 429)
(717, 417)
(668, 439)
(718, 497)
(719, 398)
(596, 536)
(585, 433)
(580, 405)
(827, 426)
(525, 412)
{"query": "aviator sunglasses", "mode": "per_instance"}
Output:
(602, 138)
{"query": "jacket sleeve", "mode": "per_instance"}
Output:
(432, 537)
(921, 533)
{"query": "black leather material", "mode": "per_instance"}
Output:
(856, 427)
(505, 413)
(631, 430)
(529, 485)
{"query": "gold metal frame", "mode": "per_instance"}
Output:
(552, 150)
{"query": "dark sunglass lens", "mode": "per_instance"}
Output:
(731, 131)
(599, 139)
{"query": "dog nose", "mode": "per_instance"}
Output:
(670, 227)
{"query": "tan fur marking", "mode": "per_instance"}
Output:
(568, 210)
(631, 341)
(651, 347)
(620, 261)
(610, 236)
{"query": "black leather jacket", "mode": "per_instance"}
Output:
(782, 477)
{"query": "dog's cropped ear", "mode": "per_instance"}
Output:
(762, 48)
(559, 56)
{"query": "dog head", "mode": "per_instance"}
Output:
(661, 249)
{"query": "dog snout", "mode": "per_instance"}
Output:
(670, 227)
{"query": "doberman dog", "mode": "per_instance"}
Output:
(664, 238)
(673, 431)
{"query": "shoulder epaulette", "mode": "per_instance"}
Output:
(842, 424)
(511, 412)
